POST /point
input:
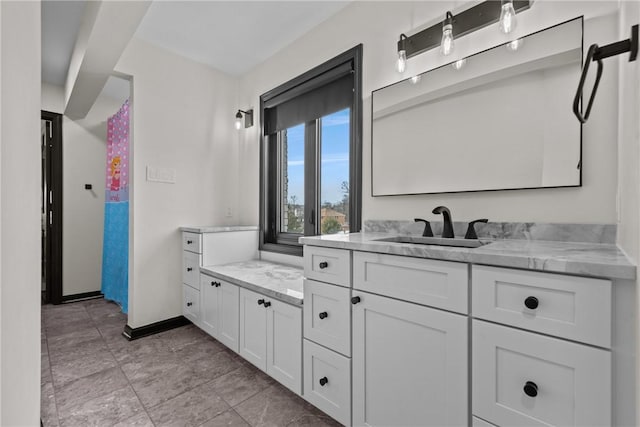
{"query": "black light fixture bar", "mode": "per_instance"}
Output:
(472, 19)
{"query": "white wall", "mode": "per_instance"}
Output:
(84, 161)
(377, 25)
(19, 213)
(183, 114)
(629, 158)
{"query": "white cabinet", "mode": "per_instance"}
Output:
(191, 304)
(327, 315)
(327, 381)
(440, 284)
(211, 248)
(220, 310)
(410, 364)
(576, 308)
(271, 337)
(521, 378)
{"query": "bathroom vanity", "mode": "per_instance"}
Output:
(510, 333)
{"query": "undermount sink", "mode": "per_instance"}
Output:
(438, 241)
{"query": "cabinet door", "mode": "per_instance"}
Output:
(209, 308)
(253, 328)
(410, 364)
(284, 344)
(228, 315)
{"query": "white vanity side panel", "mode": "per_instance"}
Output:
(230, 246)
(441, 284)
(576, 308)
(573, 380)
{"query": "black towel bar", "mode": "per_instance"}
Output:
(597, 53)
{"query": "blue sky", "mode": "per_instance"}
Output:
(335, 157)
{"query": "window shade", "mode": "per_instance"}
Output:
(310, 100)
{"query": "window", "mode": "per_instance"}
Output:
(311, 155)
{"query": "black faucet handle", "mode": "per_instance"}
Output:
(471, 230)
(427, 227)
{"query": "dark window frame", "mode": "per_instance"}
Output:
(287, 243)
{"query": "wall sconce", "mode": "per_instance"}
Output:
(248, 119)
(454, 26)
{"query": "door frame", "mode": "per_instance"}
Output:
(53, 273)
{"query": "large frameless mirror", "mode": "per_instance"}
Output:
(500, 119)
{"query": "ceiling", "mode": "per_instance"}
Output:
(231, 36)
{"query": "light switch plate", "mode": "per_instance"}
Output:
(166, 175)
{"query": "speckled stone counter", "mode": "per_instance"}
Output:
(218, 229)
(279, 281)
(586, 259)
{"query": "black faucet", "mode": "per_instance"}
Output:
(427, 227)
(447, 228)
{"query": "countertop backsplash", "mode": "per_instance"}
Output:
(557, 232)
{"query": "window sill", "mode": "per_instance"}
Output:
(295, 250)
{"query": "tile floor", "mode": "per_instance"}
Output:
(93, 376)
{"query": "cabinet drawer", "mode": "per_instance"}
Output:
(327, 381)
(191, 304)
(327, 315)
(440, 284)
(192, 242)
(521, 378)
(327, 265)
(577, 308)
(191, 269)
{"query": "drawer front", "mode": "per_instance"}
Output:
(192, 242)
(577, 308)
(191, 269)
(191, 304)
(522, 378)
(327, 265)
(440, 284)
(327, 381)
(327, 315)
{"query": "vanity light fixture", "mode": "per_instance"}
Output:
(508, 20)
(248, 119)
(463, 23)
(446, 44)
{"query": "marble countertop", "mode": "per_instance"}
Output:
(218, 229)
(586, 259)
(279, 281)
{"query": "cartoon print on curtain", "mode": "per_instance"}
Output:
(115, 253)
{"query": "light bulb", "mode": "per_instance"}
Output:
(238, 120)
(446, 46)
(514, 45)
(459, 63)
(508, 20)
(415, 79)
(401, 64)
